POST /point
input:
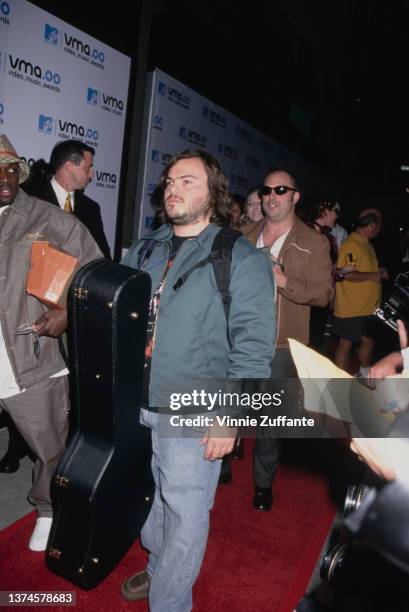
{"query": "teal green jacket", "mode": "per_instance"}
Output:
(191, 341)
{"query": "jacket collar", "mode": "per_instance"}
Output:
(252, 231)
(164, 233)
(257, 227)
(20, 203)
(297, 229)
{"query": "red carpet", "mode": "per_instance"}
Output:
(254, 560)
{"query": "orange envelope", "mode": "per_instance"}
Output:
(50, 274)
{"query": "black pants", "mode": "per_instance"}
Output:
(266, 450)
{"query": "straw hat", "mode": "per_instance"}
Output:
(8, 155)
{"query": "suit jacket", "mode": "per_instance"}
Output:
(85, 209)
(25, 221)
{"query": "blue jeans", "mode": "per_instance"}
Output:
(176, 530)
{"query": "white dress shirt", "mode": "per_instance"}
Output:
(61, 194)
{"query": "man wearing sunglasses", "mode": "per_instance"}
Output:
(302, 270)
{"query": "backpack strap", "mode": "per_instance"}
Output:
(144, 255)
(182, 279)
(220, 257)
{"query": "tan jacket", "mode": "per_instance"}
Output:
(307, 265)
(27, 220)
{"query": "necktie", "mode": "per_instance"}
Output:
(67, 205)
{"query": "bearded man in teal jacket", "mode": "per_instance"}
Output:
(189, 340)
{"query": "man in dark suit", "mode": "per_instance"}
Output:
(63, 183)
(72, 163)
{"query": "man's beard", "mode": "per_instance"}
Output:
(188, 217)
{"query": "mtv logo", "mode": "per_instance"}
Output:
(182, 132)
(161, 88)
(51, 35)
(155, 155)
(92, 96)
(45, 124)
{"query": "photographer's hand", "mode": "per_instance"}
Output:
(392, 363)
(403, 335)
(378, 454)
(388, 366)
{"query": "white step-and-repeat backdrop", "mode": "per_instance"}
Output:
(56, 83)
(178, 118)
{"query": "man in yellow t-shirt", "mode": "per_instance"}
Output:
(359, 291)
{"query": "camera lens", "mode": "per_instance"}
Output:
(332, 563)
(354, 497)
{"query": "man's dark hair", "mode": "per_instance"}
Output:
(68, 150)
(366, 220)
(220, 199)
(290, 174)
(312, 207)
(40, 173)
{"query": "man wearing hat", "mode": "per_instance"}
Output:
(33, 376)
(358, 292)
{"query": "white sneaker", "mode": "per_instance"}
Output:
(39, 537)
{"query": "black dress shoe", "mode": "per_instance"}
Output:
(263, 499)
(9, 464)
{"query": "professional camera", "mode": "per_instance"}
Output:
(360, 577)
(354, 497)
(362, 580)
(396, 304)
(344, 566)
(335, 558)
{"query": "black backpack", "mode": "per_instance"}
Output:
(220, 257)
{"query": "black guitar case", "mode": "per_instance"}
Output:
(103, 488)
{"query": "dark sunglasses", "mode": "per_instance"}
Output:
(278, 190)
